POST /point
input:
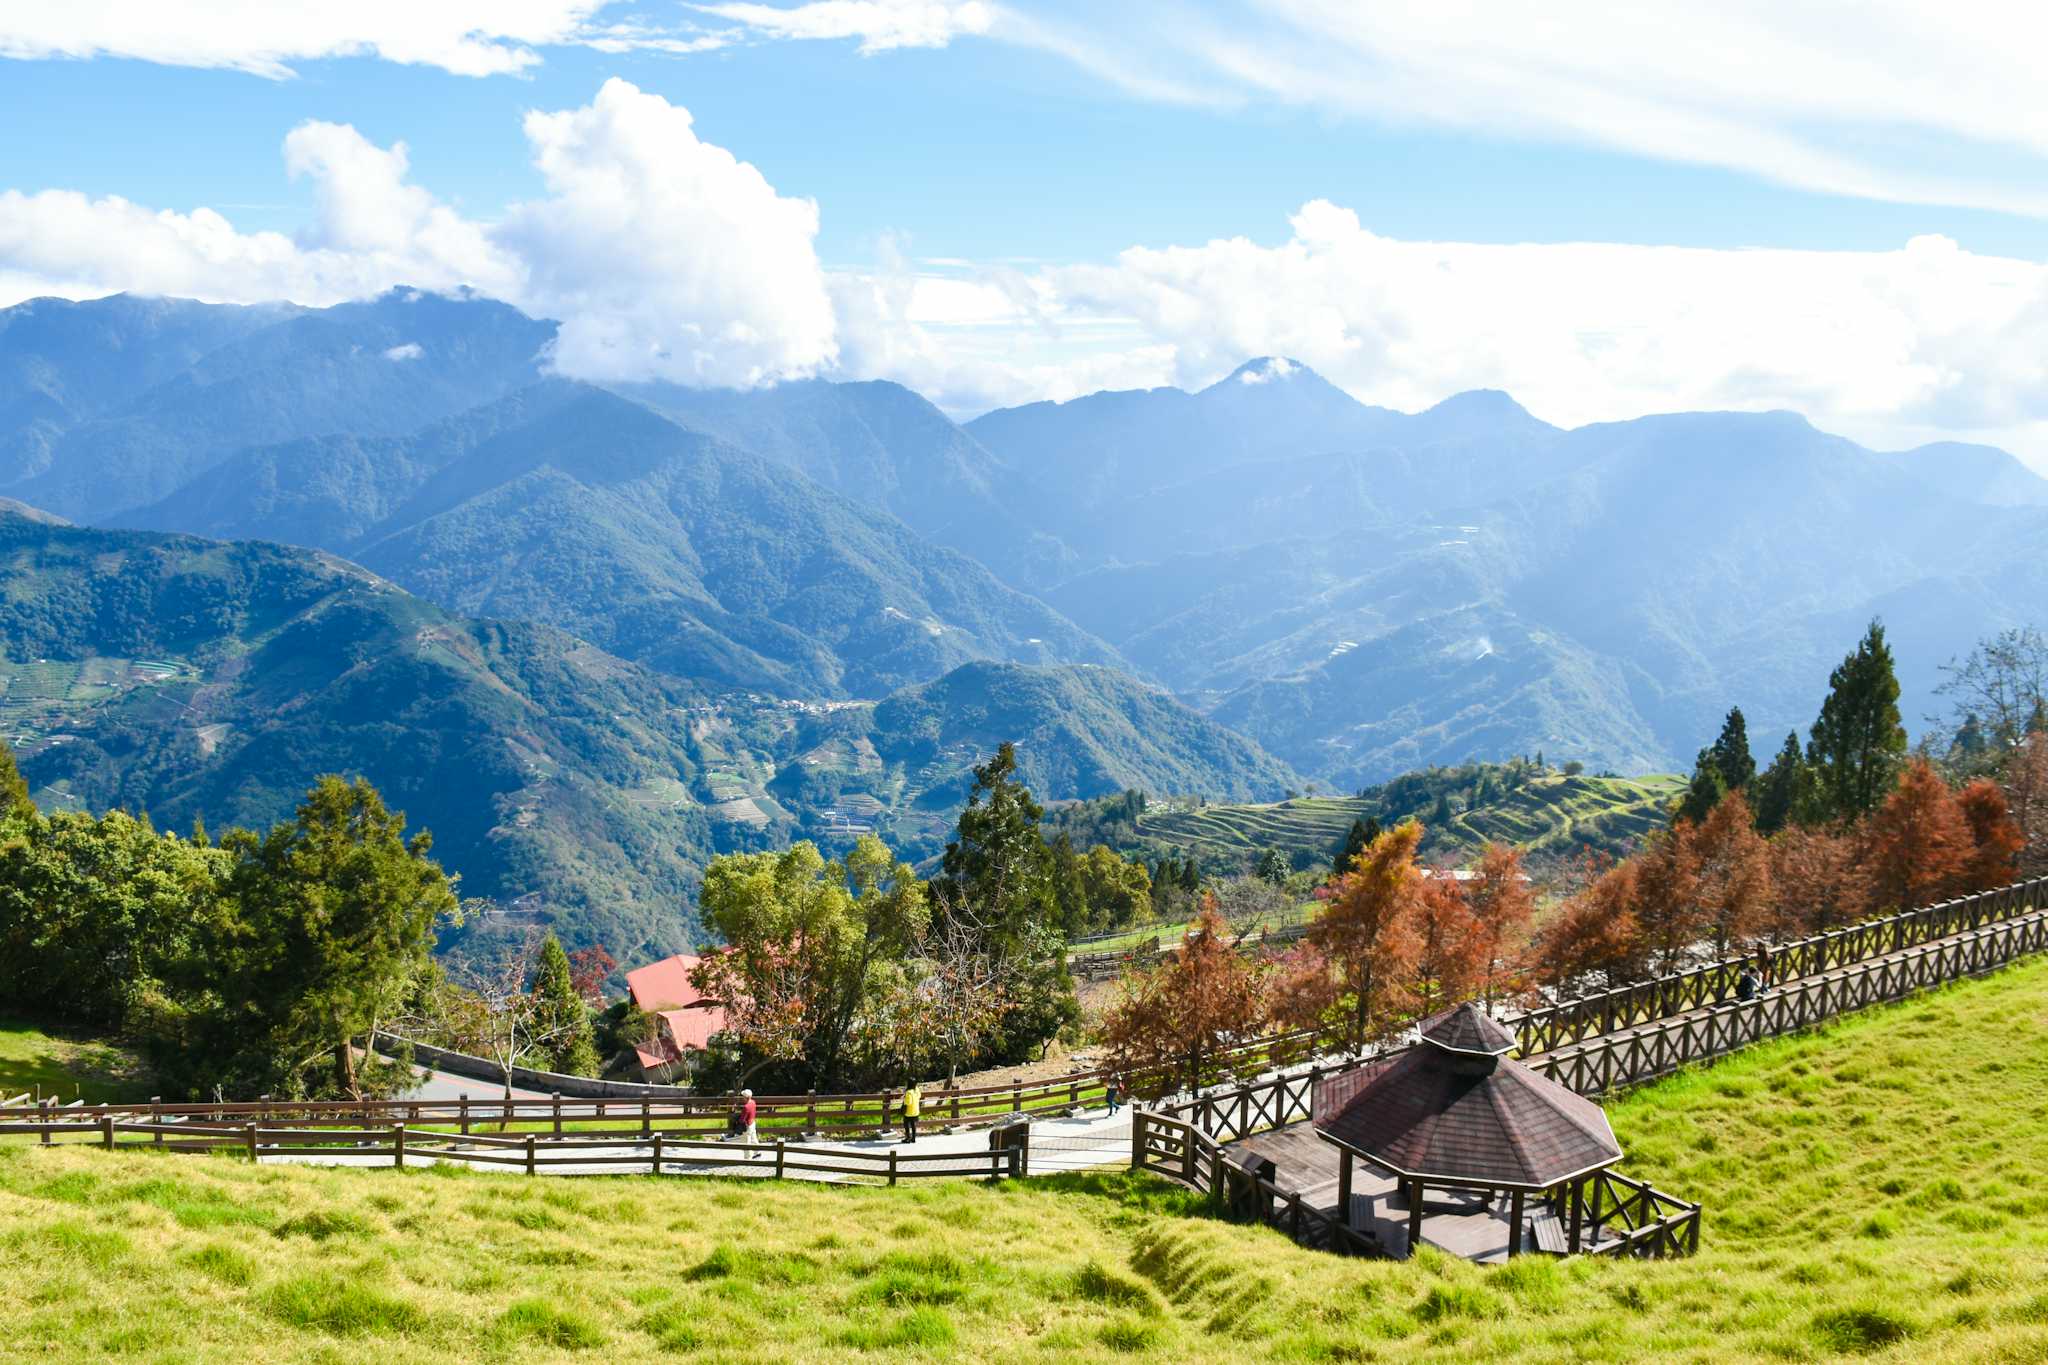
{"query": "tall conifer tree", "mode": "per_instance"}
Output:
(1858, 745)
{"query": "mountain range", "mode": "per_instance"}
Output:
(1228, 593)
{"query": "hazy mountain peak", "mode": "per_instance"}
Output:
(1268, 369)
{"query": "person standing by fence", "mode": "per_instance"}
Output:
(1115, 1091)
(913, 1102)
(748, 1113)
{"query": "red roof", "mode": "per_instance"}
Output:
(688, 1020)
(664, 985)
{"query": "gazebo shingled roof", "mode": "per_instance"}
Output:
(1451, 1109)
(1467, 1028)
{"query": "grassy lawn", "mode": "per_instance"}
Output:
(1878, 1191)
(31, 1056)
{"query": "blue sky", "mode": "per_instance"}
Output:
(1014, 201)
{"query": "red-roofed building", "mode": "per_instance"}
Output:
(684, 1019)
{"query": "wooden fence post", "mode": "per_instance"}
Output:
(1137, 1139)
(251, 1134)
(44, 1118)
(398, 1146)
(107, 1130)
(657, 1155)
(781, 1156)
(465, 1113)
(892, 1165)
(530, 1166)
(811, 1111)
(156, 1117)
(646, 1116)
(558, 1113)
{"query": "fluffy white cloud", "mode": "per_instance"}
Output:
(662, 256)
(1890, 346)
(467, 37)
(879, 24)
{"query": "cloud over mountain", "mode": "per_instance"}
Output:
(662, 255)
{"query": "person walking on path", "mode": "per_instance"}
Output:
(913, 1101)
(1763, 966)
(748, 1112)
(1115, 1092)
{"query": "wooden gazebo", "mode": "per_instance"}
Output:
(1456, 1113)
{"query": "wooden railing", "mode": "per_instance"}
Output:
(812, 1114)
(1181, 1152)
(1608, 1214)
(1646, 1052)
(1573, 1021)
(657, 1152)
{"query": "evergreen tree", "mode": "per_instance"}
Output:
(998, 874)
(1363, 832)
(1705, 790)
(1191, 875)
(1731, 754)
(1858, 745)
(1779, 789)
(329, 930)
(561, 1020)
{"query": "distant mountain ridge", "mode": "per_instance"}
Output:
(1358, 590)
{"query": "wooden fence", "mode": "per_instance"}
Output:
(627, 1152)
(1657, 1049)
(1573, 1021)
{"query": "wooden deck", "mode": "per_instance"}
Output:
(1452, 1221)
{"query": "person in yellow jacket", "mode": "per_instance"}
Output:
(913, 1101)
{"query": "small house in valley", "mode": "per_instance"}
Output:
(684, 1019)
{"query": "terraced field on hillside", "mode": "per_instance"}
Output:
(1555, 812)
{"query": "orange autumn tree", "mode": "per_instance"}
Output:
(1667, 903)
(1176, 1022)
(1819, 881)
(1734, 884)
(1917, 844)
(1502, 903)
(1366, 933)
(1596, 932)
(1995, 837)
(1447, 964)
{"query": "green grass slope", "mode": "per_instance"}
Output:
(57, 1064)
(1552, 812)
(1878, 1190)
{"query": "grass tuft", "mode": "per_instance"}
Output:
(340, 1307)
(540, 1322)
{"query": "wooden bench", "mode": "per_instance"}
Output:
(1547, 1231)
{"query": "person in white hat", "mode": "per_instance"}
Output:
(747, 1113)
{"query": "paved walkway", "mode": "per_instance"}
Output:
(1091, 1140)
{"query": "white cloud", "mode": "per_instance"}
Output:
(662, 256)
(410, 350)
(881, 25)
(263, 37)
(1891, 99)
(1890, 346)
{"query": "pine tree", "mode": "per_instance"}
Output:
(1705, 790)
(1778, 790)
(561, 1018)
(1731, 753)
(1363, 831)
(998, 873)
(1272, 867)
(1858, 745)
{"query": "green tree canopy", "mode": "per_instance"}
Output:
(1858, 745)
(562, 1017)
